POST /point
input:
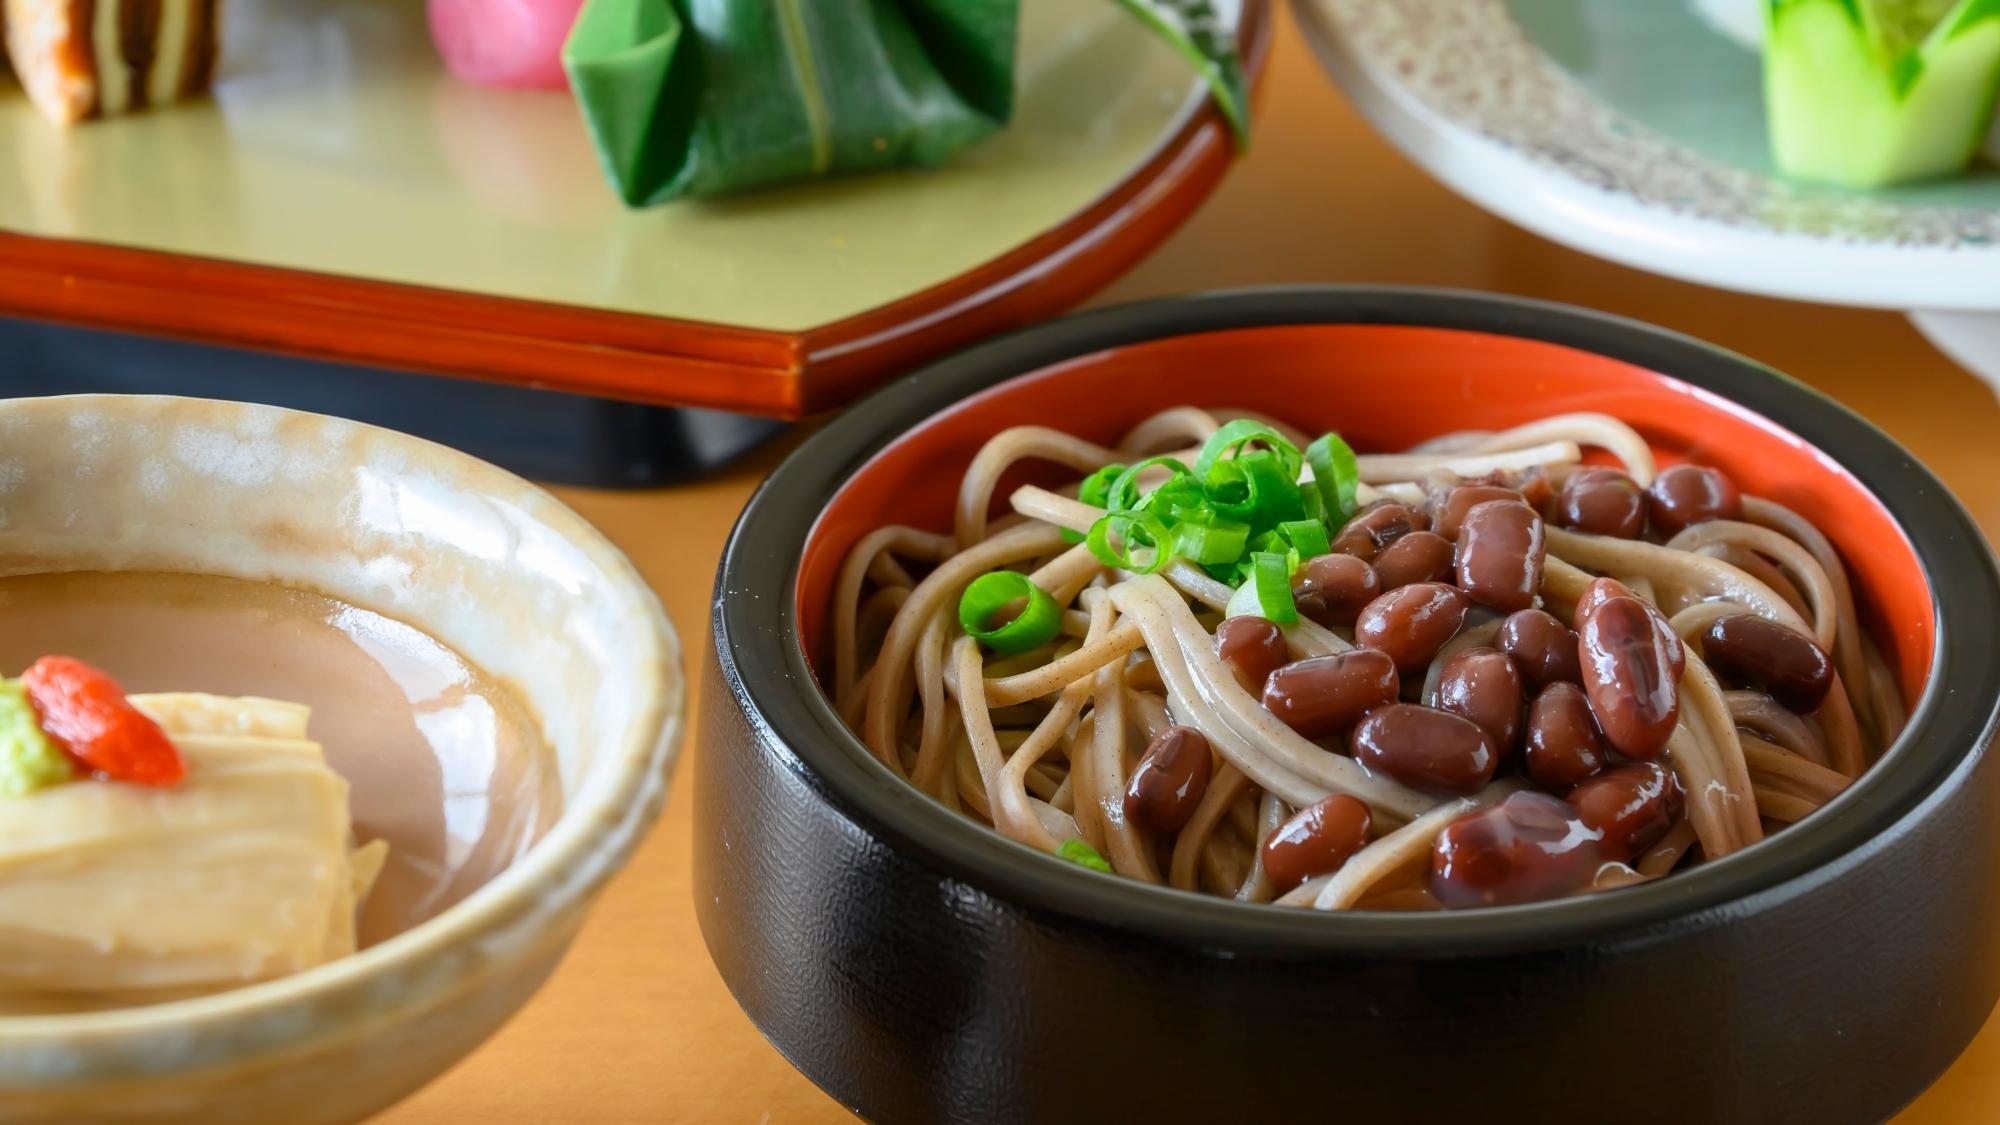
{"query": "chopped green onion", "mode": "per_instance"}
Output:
(1212, 543)
(1097, 485)
(1093, 491)
(1307, 537)
(1228, 491)
(1241, 499)
(1337, 476)
(1135, 529)
(1276, 487)
(1124, 491)
(1256, 489)
(1083, 855)
(1178, 499)
(1315, 504)
(1239, 433)
(1243, 603)
(1272, 574)
(1038, 622)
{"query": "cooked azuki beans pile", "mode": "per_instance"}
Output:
(1515, 677)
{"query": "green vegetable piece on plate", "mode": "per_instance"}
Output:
(709, 97)
(705, 98)
(1083, 855)
(1865, 93)
(28, 760)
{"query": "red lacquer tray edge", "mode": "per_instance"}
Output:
(625, 355)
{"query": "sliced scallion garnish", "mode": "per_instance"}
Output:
(1177, 499)
(1272, 574)
(1337, 476)
(1083, 855)
(1240, 499)
(1243, 602)
(1307, 537)
(1231, 439)
(1093, 491)
(1097, 485)
(1124, 491)
(1036, 624)
(1255, 489)
(1315, 504)
(1135, 530)
(1210, 543)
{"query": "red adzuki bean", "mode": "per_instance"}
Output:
(1783, 662)
(1252, 647)
(1500, 555)
(1325, 695)
(1483, 685)
(1450, 514)
(1317, 840)
(1544, 647)
(1632, 805)
(1528, 848)
(1691, 494)
(1420, 556)
(1600, 501)
(1412, 623)
(1629, 676)
(1564, 746)
(1331, 589)
(1375, 528)
(1169, 781)
(1425, 748)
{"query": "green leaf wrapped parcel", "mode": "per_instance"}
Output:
(711, 97)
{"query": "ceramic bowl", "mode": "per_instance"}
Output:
(921, 968)
(478, 558)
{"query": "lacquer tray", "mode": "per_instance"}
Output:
(342, 198)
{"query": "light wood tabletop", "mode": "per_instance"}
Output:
(637, 1027)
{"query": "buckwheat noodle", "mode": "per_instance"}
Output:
(1042, 746)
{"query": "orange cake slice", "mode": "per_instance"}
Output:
(90, 58)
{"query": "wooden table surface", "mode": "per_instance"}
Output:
(636, 1025)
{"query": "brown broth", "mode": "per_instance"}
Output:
(444, 763)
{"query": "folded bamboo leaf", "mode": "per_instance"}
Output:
(687, 98)
(1198, 32)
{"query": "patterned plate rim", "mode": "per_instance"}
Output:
(1470, 62)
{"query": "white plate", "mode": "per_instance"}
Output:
(1633, 130)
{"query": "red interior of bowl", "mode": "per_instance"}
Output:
(1384, 388)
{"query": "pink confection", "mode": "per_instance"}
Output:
(504, 42)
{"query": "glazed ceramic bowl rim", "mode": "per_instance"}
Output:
(600, 823)
(756, 629)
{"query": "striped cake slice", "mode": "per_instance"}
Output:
(91, 58)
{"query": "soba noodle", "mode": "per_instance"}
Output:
(1060, 745)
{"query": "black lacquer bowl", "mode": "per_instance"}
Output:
(919, 968)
